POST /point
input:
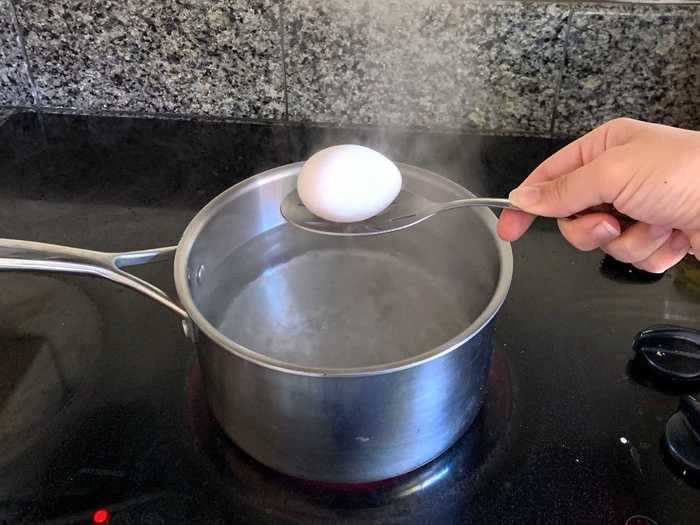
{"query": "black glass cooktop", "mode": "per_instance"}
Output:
(102, 414)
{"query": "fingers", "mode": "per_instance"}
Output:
(669, 254)
(651, 248)
(576, 155)
(637, 243)
(590, 231)
(694, 237)
(513, 224)
(600, 181)
(586, 186)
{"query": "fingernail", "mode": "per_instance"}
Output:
(679, 242)
(525, 196)
(656, 231)
(604, 231)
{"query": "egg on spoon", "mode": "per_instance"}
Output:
(348, 183)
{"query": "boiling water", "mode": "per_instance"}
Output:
(332, 302)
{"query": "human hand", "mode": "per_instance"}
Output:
(648, 172)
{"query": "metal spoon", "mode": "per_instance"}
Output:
(407, 210)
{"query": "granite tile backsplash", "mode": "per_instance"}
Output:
(220, 57)
(638, 61)
(445, 64)
(14, 82)
(530, 67)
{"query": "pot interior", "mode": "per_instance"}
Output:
(331, 303)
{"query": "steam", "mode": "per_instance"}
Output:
(406, 85)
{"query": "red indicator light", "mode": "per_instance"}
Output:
(100, 517)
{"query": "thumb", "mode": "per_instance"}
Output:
(590, 185)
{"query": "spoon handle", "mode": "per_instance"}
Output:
(476, 201)
(625, 220)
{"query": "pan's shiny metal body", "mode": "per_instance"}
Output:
(328, 358)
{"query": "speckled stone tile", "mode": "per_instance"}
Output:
(447, 64)
(14, 83)
(220, 57)
(636, 61)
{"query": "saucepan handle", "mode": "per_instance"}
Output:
(40, 257)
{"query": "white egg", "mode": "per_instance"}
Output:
(348, 183)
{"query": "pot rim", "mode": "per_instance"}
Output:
(200, 220)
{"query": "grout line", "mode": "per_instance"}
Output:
(20, 40)
(562, 70)
(189, 117)
(283, 47)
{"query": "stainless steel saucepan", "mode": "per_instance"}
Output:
(327, 358)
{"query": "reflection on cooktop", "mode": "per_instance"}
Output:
(627, 273)
(462, 468)
(49, 338)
